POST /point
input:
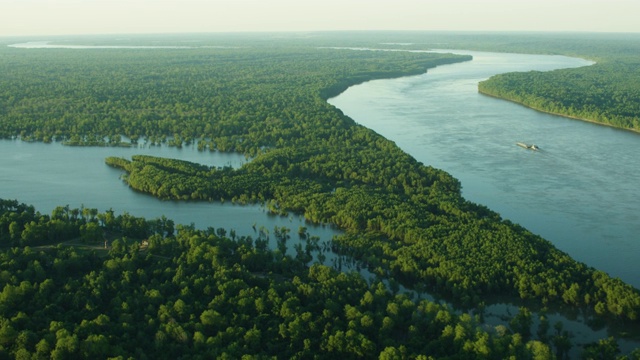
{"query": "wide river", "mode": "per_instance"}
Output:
(580, 191)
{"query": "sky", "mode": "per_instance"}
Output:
(64, 17)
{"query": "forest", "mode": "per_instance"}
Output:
(169, 291)
(605, 93)
(402, 219)
(610, 97)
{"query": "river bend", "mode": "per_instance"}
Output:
(580, 192)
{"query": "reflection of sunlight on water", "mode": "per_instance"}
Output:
(22, 156)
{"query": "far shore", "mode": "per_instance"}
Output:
(637, 131)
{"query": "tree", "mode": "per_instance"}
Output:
(91, 232)
(603, 349)
(521, 323)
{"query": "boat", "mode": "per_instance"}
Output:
(533, 147)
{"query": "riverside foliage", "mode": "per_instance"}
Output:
(402, 219)
(605, 93)
(198, 294)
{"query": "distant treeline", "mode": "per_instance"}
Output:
(222, 95)
(605, 93)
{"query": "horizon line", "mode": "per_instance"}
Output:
(262, 32)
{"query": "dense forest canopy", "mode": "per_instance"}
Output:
(81, 96)
(265, 97)
(193, 294)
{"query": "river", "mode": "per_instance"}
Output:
(579, 192)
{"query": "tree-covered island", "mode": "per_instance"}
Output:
(189, 292)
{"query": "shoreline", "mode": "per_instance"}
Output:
(635, 131)
(489, 95)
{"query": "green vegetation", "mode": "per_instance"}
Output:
(410, 224)
(227, 96)
(185, 293)
(403, 219)
(604, 93)
(198, 294)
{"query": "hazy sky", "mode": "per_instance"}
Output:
(56, 17)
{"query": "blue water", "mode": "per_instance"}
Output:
(580, 192)
(50, 175)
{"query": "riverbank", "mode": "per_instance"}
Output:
(487, 93)
(442, 120)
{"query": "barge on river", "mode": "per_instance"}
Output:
(533, 147)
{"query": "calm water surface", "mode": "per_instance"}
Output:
(50, 175)
(580, 192)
